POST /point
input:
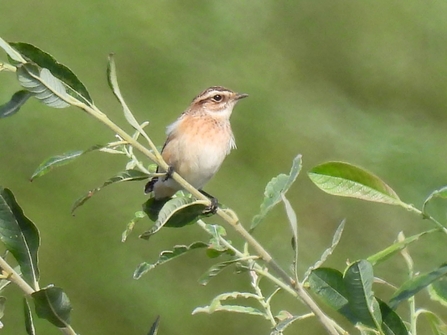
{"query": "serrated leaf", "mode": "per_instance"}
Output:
(20, 236)
(29, 324)
(392, 324)
(177, 212)
(125, 176)
(415, 284)
(277, 186)
(13, 106)
(11, 52)
(166, 256)
(438, 291)
(43, 85)
(60, 71)
(335, 239)
(396, 247)
(154, 327)
(215, 270)
(129, 227)
(346, 180)
(329, 286)
(53, 305)
(61, 160)
(358, 280)
(216, 305)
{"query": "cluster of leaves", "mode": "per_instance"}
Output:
(349, 292)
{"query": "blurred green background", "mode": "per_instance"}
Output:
(357, 81)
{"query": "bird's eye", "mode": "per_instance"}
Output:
(217, 98)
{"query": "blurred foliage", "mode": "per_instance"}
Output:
(357, 81)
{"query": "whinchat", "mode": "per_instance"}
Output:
(198, 141)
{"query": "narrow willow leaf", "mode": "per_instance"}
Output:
(415, 284)
(20, 236)
(60, 160)
(43, 85)
(335, 239)
(16, 56)
(396, 247)
(293, 221)
(53, 305)
(216, 304)
(155, 325)
(177, 212)
(215, 270)
(392, 324)
(329, 286)
(440, 193)
(438, 291)
(286, 320)
(129, 227)
(60, 71)
(358, 280)
(13, 106)
(346, 180)
(277, 186)
(437, 325)
(166, 256)
(129, 175)
(29, 324)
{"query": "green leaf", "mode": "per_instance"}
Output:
(392, 324)
(438, 291)
(11, 51)
(20, 236)
(29, 324)
(177, 212)
(440, 193)
(60, 71)
(155, 325)
(437, 325)
(216, 305)
(285, 320)
(43, 85)
(53, 305)
(60, 160)
(129, 227)
(335, 239)
(293, 221)
(346, 180)
(277, 186)
(128, 175)
(216, 246)
(166, 256)
(393, 249)
(329, 286)
(358, 280)
(13, 106)
(415, 284)
(215, 270)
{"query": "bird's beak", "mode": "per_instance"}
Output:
(241, 96)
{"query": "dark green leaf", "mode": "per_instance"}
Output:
(60, 71)
(415, 284)
(396, 247)
(60, 160)
(128, 175)
(438, 291)
(12, 106)
(346, 180)
(43, 85)
(215, 270)
(53, 305)
(358, 280)
(329, 286)
(16, 56)
(29, 324)
(277, 186)
(177, 212)
(155, 325)
(20, 236)
(166, 256)
(392, 324)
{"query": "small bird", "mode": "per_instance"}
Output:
(197, 142)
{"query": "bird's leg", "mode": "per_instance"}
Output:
(212, 208)
(169, 173)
